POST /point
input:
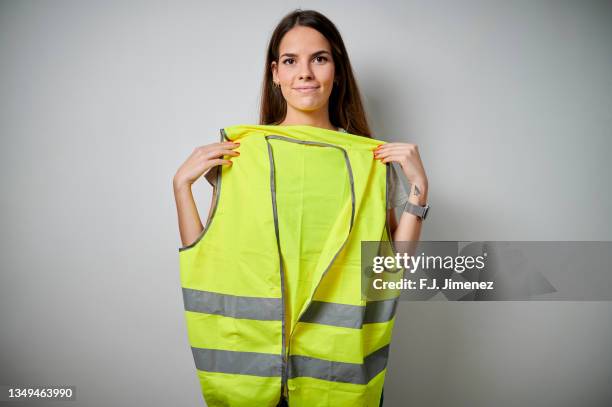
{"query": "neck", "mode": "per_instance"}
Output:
(319, 118)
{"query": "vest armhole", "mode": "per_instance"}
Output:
(213, 208)
(213, 176)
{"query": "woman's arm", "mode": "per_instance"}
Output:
(407, 155)
(409, 227)
(201, 160)
(190, 225)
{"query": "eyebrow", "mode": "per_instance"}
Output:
(289, 54)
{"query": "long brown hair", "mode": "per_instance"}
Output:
(345, 106)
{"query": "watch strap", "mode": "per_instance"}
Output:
(420, 211)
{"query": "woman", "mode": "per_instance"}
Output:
(308, 80)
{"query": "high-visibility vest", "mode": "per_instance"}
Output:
(271, 287)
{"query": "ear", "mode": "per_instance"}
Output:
(273, 67)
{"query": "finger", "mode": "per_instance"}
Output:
(386, 160)
(399, 146)
(405, 152)
(224, 144)
(383, 153)
(217, 153)
(219, 161)
(380, 147)
(388, 145)
(386, 154)
(391, 158)
(230, 152)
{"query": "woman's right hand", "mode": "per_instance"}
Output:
(202, 159)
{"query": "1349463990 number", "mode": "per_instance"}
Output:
(37, 392)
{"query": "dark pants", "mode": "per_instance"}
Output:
(283, 402)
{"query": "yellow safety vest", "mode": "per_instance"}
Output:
(271, 287)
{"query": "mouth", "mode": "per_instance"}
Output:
(306, 89)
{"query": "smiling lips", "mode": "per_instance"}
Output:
(307, 89)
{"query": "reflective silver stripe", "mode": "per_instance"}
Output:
(328, 370)
(281, 268)
(225, 361)
(329, 313)
(379, 311)
(349, 316)
(264, 309)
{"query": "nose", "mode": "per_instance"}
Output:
(305, 71)
(307, 75)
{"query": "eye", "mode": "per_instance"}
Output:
(288, 59)
(322, 57)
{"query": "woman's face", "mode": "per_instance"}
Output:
(305, 69)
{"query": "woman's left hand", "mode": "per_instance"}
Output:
(407, 155)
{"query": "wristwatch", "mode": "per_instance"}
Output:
(419, 211)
